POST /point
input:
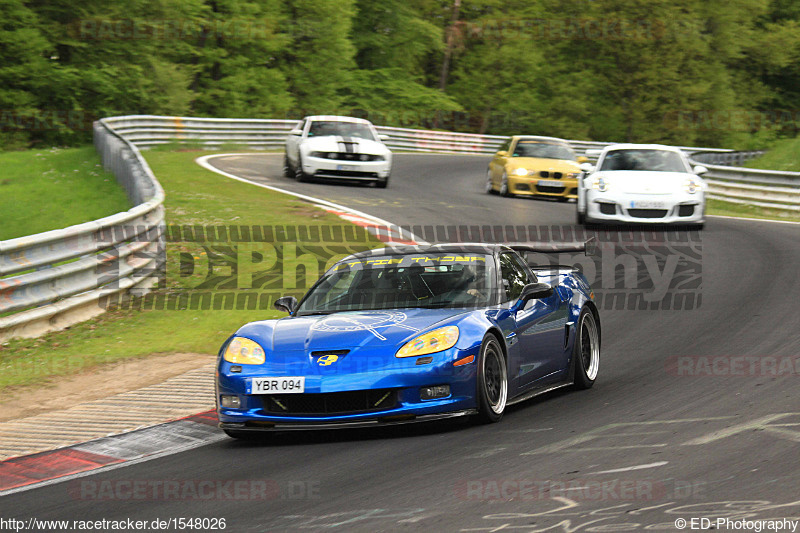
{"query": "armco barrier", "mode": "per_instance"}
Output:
(53, 279)
(56, 278)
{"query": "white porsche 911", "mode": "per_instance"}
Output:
(337, 147)
(642, 184)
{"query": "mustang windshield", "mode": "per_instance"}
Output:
(543, 150)
(403, 281)
(319, 128)
(653, 160)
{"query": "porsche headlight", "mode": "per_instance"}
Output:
(244, 352)
(600, 184)
(434, 341)
(521, 172)
(692, 186)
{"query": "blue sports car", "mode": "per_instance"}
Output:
(412, 333)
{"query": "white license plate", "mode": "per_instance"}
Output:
(345, 167)
(550, 183)
(285, 385)
(648, 204)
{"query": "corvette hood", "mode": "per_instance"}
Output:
(338, 143)
(645, 182)
(355, 331)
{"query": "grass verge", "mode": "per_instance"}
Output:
(39, 190)
(783, 155)
(195, 197)
(730, 209)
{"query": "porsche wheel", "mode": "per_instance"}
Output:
(504, 185)
(586, 352)
(382, 183)
(299, 175)
(489, 184)
(492, 381)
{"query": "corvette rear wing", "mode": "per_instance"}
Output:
(588, 247)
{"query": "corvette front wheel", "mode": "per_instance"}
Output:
(492, 381)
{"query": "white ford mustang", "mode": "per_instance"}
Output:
(337, 147)
(642, 183)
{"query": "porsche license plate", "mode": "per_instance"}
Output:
(284, 385)
(648, 204)
(345, 167)
(550, 183)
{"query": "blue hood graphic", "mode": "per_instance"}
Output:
(354, 331)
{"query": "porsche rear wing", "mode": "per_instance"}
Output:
(588, 247)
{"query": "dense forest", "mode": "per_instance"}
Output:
(692, 72)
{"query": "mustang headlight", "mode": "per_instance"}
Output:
(244, 352)
(600, 184)
(521, 172)
(434, 341)
(692, 186)
(322, 155)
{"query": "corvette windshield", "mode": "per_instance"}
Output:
(543, 150)
(403, 281)
(652, 160)
(343, 129)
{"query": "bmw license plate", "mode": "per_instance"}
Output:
(345, 167)
(648, 204)
(550, 183)
(284, 385)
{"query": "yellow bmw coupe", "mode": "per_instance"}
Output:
(535, 166)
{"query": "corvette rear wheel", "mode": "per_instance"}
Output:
(587, 350)
(492, 381)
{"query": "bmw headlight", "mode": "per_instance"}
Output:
(600, 184)
(521, 172)
(244, 352)
(692, 185)
(572, 176)
(434, 341)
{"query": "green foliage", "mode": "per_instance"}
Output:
(637, 70)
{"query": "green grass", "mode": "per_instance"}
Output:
(42, 190)
(783, 155)
(195, 196)
(730, 209)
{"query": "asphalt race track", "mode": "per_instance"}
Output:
(645, 447)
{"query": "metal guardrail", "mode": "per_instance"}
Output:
(53, 279)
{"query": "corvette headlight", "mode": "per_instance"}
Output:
(521, 172)
(600, 184)
(244, 352)
(431, 342)
(692, 186)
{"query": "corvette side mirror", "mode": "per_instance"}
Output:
(533, 291)
(286, 304)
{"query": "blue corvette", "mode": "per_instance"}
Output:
(412, 333)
